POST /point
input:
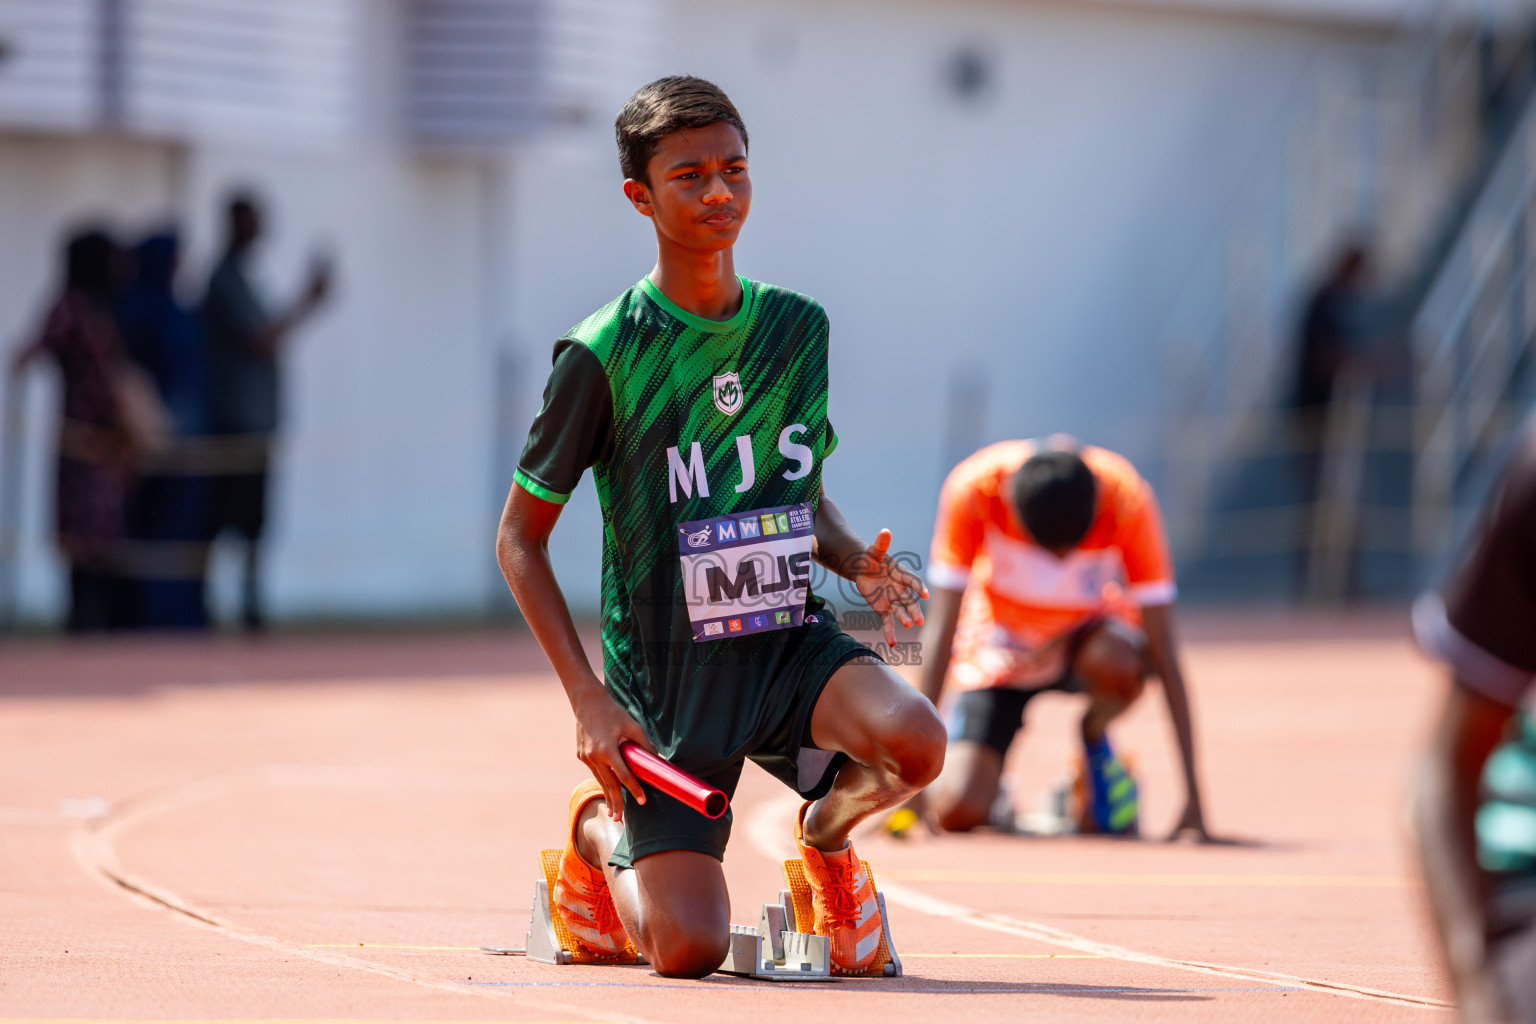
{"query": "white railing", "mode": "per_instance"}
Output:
(1380, 141)
(1468, 338)
(12, 417)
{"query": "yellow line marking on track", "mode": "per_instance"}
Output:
(769, 825)
(1195, 881)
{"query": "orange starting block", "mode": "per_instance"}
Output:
(549, 940)
(887, 963)
(773, 949)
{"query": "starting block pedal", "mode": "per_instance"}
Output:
(549, 940)
(886, 963)
(774, 951)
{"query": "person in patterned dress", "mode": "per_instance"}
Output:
(93, 473)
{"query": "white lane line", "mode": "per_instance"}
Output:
(94, 848)
(770, 828)
(67, 812)
(1186, 881)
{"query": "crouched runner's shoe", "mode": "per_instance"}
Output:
(843, 898)
(581, 896)
(1112, 797)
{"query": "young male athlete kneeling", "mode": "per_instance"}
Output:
(699, 399)
(1050, 572)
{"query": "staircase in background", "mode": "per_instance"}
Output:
(1471, 342)
(1403, 455)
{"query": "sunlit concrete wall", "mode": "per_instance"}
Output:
(1010, 252)
(994, 266)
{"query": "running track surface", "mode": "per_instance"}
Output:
(327, 827)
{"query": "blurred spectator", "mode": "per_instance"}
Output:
(109, 417)
(1332, 329)
(1336, 331)
(244, 342)
(168, 513)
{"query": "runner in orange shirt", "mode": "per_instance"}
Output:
(1049, 571)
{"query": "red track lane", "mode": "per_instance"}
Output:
(327, 828)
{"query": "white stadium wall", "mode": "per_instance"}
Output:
(1014, 243)
(993, 267)
(50, 79)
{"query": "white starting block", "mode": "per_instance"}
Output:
(774, 951)
(542, 945)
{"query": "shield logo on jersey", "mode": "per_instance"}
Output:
(728, 394)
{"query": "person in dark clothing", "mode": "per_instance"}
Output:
(1335, 333)
(244, 341)
(1474, 798)
(168, 513)
(162, 336)
(96, 441)
(1331, 330)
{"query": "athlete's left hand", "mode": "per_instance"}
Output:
(1192, 820)
(890, 590)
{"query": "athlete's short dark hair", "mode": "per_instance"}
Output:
(1056, 496)
(668, 105)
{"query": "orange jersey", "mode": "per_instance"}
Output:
(1020, 600)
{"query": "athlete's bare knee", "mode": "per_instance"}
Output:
(682, 912)
(1132, 687)
(687, 952)
(1112, 666)
(961, 815)
(915, 744)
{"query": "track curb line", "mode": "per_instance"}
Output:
(92, 845)
(770, 824)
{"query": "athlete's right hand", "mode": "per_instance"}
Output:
(601, 726)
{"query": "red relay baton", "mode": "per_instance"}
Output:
(673, 781)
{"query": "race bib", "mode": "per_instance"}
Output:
(747, 573)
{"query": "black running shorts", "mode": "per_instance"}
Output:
(994, 716)
(783, 748)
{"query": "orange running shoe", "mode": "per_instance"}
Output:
(843, 898)
(581, 896)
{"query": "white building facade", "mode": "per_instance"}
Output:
(1021, 216)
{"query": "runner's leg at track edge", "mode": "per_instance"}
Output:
(1111, 664)
(962, 797)
(674, 904)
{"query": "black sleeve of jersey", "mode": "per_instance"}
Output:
(1490, 600)
(573, 430)
(830, 439)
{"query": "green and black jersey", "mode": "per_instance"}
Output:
(692, 421)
